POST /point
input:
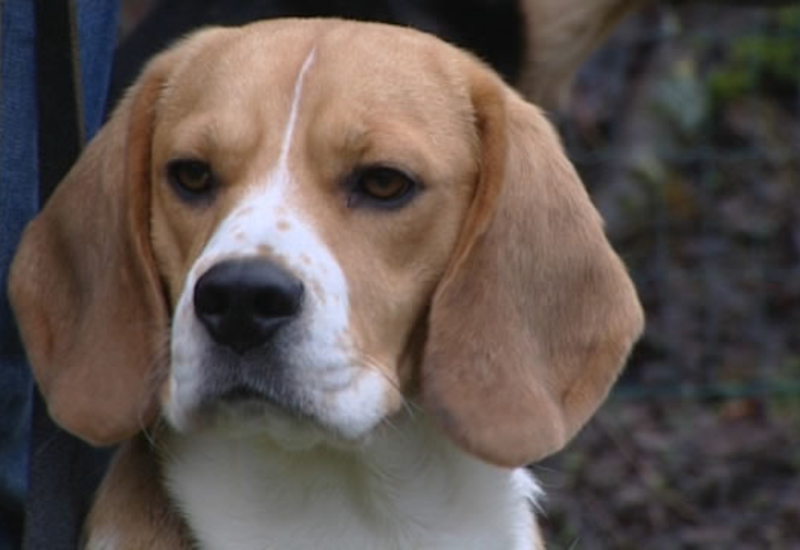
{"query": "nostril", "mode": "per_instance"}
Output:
(276, 302)
(266, 305)
(210, 300)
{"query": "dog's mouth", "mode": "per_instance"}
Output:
(274, 395)
(240, 394)
(247, 399)
(242, 410)
(260, 384)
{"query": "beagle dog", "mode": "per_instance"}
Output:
(331, 285)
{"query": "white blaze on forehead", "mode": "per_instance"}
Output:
(283, 159)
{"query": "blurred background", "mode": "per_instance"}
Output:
(686, 129)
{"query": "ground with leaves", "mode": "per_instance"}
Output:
(686, 129)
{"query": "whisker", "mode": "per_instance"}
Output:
(408, 406)
(155, 377)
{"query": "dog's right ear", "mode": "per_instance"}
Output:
(83, 284)
(536, 314)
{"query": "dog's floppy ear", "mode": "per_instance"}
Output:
(83, 285)
(535, 314)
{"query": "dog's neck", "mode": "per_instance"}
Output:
(405, 488)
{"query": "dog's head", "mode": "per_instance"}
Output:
(306, 223)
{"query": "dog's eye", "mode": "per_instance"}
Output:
(382, 187)
(191, 178)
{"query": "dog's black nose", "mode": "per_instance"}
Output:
(243, 302)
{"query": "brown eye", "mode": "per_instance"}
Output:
(191, 178)
(382, 187)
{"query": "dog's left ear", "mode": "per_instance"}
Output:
(535, 314)
(83, 285)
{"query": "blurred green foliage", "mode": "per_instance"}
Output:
(766, 63)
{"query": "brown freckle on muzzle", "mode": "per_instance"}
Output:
(283, 225)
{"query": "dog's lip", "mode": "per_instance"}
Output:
(250, 399)
(241, 393)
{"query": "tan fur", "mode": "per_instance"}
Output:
(561, 34)
(493, 297)
(135, 477)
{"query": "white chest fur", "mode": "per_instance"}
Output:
(406, 488)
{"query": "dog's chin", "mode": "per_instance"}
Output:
(260, 419)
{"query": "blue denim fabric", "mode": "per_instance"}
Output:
(97, 29)
(19, 183)
(18, 202)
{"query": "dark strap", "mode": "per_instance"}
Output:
(61, 133)
(64, 472)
